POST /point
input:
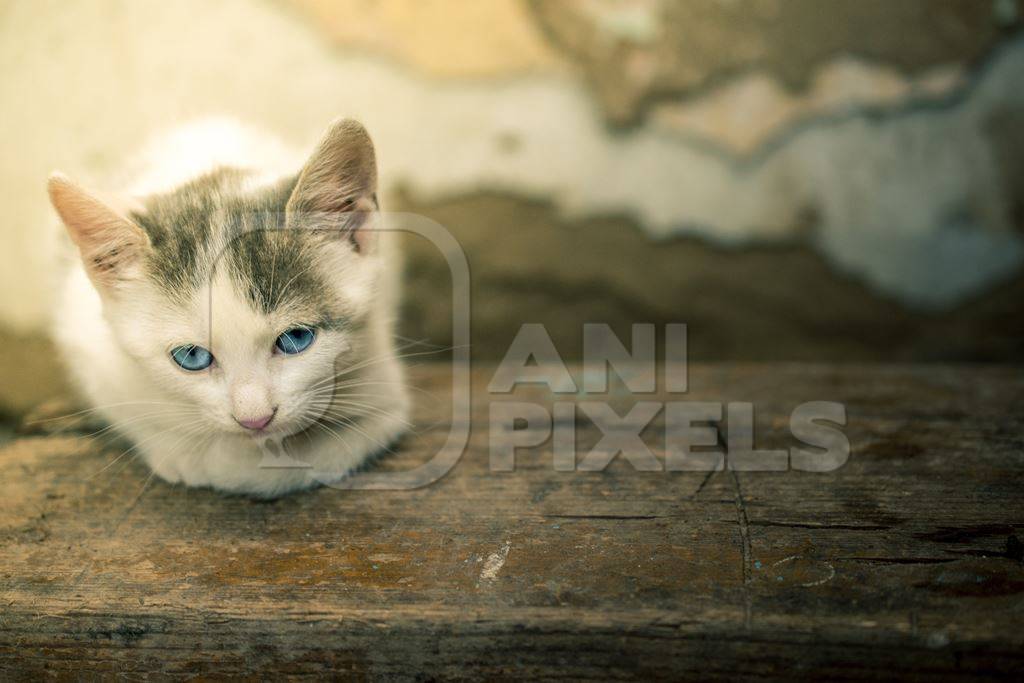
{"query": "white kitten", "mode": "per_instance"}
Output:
(233, 317)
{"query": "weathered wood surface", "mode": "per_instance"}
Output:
(907, 561)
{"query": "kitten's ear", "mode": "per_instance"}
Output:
(337, 188)
(111, 245)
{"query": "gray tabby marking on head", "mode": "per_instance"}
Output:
(267, 238)
(179, 226)
(211, 221)
(273, 265)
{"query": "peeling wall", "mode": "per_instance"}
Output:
(635, 53)
(879, 140)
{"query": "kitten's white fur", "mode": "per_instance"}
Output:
(182, 425)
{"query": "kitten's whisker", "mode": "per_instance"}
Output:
(389, 356)
(334, 435)
(365, 410)
(120, 455)
(420, 342)
(104, 407)
(350, 425)
(353, 384)
(348, 414)
(349, 400)
(136, 446)
(326, 427)
(152, 474)
(381, 446)
(107, 435)
(111, 430)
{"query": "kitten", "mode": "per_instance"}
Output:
(226, 316)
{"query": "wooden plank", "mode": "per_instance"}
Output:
(907, 559)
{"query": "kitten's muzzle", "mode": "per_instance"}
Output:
(257, 423)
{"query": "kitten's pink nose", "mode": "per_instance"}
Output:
(257, 423)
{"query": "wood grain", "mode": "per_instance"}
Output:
(905, 562)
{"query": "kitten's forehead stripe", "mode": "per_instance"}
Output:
(178, 225)
(275, 267)
(211, 221)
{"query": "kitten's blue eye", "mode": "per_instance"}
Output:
(295, 340)
(192, 357)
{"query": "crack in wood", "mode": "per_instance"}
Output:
(703, 483)
(806, 525)
(743, 522)
(113, 531)
(897, 560)
(741, 516)
(966, 534)
(622, 517)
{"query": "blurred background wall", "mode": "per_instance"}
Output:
(796, 179)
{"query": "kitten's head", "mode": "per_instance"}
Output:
(242, 301)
